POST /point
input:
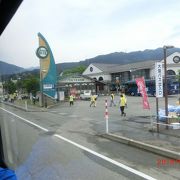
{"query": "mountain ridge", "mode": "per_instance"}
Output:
(121, 58)
(111, 58)
(7, 68)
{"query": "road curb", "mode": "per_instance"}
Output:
(144, 146)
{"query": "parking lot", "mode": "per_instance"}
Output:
(135, 107)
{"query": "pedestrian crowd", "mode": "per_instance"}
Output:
(122, 103)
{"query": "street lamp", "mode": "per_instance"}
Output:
(165, 81)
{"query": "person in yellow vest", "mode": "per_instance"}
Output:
(112, 100)
(95, 98)
(93, 101)
(11, 98)
(71, 100)
(125, 99)
(122, 104)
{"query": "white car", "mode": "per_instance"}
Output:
(86, 95)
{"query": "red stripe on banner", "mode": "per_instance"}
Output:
(142, 89)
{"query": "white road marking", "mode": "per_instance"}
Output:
(28, 121)
(61, 113)
(73, 116)
(86, 149)
(99, 122)
(106, 158)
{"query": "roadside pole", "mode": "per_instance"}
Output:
(157, 114)
(159, 88)
(151, 116)
(26, 105)
(106, 117)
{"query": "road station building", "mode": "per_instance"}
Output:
(76, 84)
(116, 74)
(101, 78)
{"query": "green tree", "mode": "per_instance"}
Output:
(31, 85)
(19, 84)
(178, 76)
(9, 87)
(75, 70)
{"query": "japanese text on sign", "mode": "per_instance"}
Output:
(159, 79)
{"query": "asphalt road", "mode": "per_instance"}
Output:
(36, 148)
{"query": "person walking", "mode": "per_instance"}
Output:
(93, 101)
(125, 99)
(112, 100)
(122, 104)
(71, 100)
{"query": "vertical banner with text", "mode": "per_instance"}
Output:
(159, 79)
(48, 75)
(142, 89)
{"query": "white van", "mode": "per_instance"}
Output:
(86, 95)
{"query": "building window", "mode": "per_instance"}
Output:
(170, 72)
(91, 69)
(100, 78)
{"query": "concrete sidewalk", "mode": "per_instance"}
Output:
(28, 108)
(165, 143)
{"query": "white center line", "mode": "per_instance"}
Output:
(86, 149)
(28, 121)
(106, 158)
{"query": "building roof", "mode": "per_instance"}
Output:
(104, 67)
(113, 68)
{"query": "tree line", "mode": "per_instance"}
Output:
(28, 84)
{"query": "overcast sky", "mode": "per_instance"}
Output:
(81, 29)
